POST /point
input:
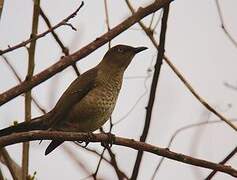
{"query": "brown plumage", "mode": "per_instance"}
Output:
(90, 99)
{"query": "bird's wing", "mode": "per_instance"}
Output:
(74, 93)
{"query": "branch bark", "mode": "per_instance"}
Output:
(101, 137)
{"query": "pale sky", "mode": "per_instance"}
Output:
(197, 46)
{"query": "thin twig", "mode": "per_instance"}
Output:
(64, 49)
(152, 19)
(76, 159)
(223, 26)
(102, 137)
(13, 167)
(11, 164)
(182, 129)
(230, 86)
(181, 77)
(63, 22)
(157, 22)
(121, 175)
(98, 166)
(227, 158)
(16, 75)
(153, 92)
(199, 98)
(83, 52)
(107, 19)
(91, 151)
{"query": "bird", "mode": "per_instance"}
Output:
(89, 100)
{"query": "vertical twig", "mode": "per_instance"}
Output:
(31, 64)
(1, 175)
(155, 78)
(107, 19)
(98, 166)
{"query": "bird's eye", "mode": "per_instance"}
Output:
(120, 50)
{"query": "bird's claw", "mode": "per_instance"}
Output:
(110, 141)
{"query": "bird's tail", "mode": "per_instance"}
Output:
(53, 145)
(38, 123)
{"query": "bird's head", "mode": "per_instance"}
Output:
(120, 56)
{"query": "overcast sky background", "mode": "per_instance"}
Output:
(197, 46)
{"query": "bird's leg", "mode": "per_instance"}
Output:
(110, 141)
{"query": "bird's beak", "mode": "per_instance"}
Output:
(139, 49)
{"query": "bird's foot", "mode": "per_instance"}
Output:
(90, 136)
(110, 141)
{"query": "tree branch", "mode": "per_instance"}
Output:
(34, 38)
(30, 71)
(83, 52)
(227, 158)
(149, 34)
(101, 137)
(13, 167)
(153, 92)
(64, 49)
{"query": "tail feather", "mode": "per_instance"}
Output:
(34, 124)
(53, 145)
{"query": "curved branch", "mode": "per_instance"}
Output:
(101, 137)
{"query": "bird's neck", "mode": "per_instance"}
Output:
(107, 74)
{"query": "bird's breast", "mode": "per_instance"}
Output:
(96, 107)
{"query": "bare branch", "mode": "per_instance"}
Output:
(16, 75)
(223, 26)
(107, 19)
(57, 39)
(101, 137)
(30, 71)
(13, 167)
(153, 92)
(149, 33)
(179, 131)
(121, 175)
(34, 38)
(98, 166)
(76, 159)
(227, 158)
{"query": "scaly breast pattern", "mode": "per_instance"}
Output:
(96, 107)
